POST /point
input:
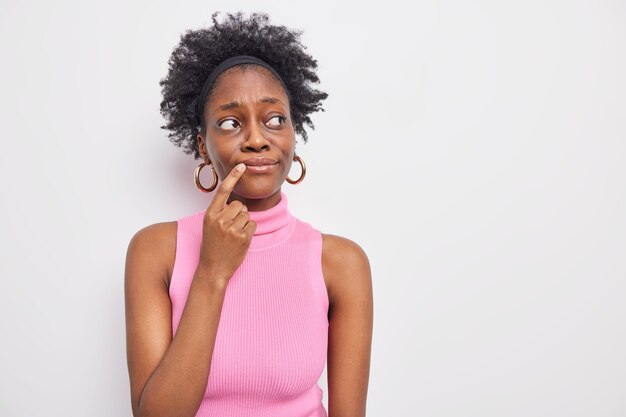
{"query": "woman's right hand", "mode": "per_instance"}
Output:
(227, 230)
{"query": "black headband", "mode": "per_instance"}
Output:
(223, 66)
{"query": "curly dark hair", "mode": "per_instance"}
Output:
(199, 51)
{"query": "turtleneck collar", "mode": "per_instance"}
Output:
(273, 225)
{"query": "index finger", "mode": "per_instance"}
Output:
(226, 187)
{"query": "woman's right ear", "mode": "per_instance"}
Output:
(202, 148)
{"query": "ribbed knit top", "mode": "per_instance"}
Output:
(272, 338)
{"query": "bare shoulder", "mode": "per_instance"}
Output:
(155, 244)
(345, 266)
(344, 251)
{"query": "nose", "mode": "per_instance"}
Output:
(256, 140)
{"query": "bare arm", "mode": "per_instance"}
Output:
(168, 374)
(351, 312)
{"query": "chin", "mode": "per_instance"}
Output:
(256, 188)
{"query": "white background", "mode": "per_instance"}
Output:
(475, 150)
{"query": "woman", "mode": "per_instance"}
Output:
(234, 310)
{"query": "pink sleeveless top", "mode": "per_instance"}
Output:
(272, 337)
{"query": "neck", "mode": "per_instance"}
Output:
(273, 224)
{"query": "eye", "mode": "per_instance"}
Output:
(220, 124)
(282, 118)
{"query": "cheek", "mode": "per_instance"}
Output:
(287, 166)
(288, 158)
(221, 156)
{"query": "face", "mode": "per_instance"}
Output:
(247, 118)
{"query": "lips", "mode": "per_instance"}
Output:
(260, 165)
(259, 161)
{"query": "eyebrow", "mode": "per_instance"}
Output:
(234, 104)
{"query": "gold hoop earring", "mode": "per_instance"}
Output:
(196, 176)
(302, 174)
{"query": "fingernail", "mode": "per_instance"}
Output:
(241, 167)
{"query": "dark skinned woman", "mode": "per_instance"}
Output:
(234, 310)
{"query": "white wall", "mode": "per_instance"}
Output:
(475, 150)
